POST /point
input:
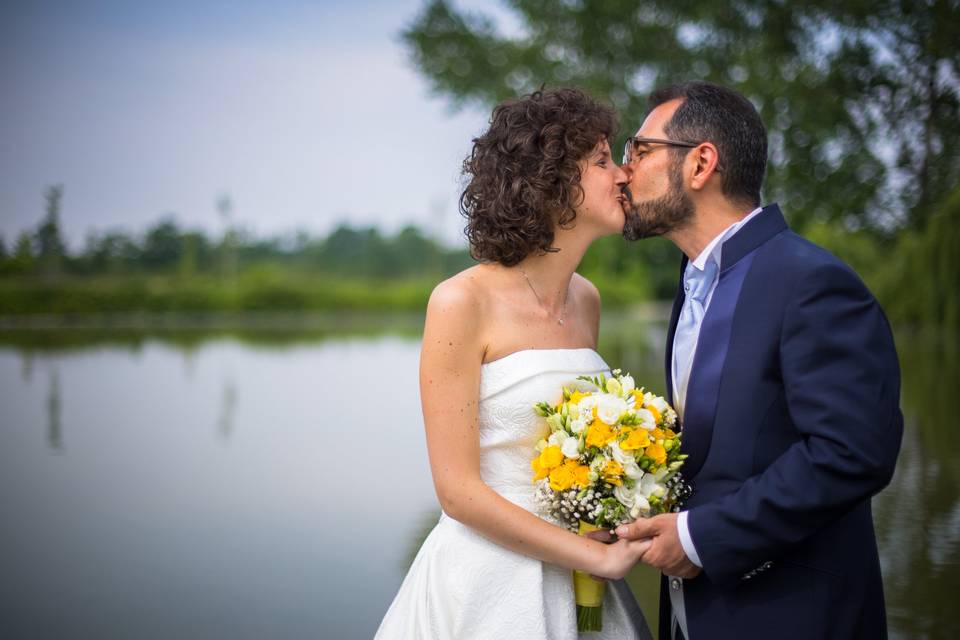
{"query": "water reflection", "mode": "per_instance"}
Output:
(228, 405)
(918, 515)
(146, 513)
(54, 410)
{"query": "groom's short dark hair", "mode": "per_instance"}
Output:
(717, 114)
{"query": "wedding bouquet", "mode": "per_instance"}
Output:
(611, 457)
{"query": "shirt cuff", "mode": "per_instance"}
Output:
(685, 540)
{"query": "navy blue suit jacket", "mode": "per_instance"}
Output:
(792, 423)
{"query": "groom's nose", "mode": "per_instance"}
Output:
(622, 177)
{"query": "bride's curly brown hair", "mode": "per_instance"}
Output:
(524, 179)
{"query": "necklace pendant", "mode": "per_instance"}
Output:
(560, 321)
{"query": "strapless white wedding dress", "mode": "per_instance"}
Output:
(462, 585)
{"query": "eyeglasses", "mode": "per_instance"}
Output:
(635, 141)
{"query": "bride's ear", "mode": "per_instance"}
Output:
(706, 162)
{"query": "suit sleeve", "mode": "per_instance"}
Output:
(842, 388)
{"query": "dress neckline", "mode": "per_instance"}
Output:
(519, 351)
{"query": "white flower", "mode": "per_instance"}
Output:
(640, 507)
(657, 402)
(556, 438)
(628, 384)
(619, 454)
(587, 404)
(610, 408)
(578, 425)
(624, 496)
(646, 420)
(649, 485)
(571, 447)
(541, 445)
(631, 469)
(670, 418)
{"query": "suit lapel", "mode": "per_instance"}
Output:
(706, 374)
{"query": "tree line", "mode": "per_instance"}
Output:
(167, 248)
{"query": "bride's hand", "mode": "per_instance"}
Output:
(619, 557)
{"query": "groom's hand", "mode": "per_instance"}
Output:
(665, 552)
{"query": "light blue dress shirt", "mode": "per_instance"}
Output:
(680, 369)
(711, 252)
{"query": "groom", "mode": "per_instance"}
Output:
(782, 367)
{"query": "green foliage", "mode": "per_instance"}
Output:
(916, 276)
(280, 292)
(920, 288)
(860, 98)
(23, 259)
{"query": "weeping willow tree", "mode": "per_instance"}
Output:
(861, 100)
(920, 281)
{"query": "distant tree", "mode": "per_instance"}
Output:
(861, 99)
(162, 245)
(24, 258)
(50, 247)
(350, 251)
(110, 253)
(415, 253)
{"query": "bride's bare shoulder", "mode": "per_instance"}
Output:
(467, 291)
(456, 325)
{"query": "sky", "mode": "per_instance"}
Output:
(306, 114)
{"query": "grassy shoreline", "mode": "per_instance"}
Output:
(251, 292)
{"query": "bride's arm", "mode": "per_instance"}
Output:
(449, 388)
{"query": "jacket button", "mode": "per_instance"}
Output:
(767, 565)
(675, 584)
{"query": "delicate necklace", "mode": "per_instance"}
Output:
(563, 307)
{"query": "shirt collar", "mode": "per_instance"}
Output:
(714, 248)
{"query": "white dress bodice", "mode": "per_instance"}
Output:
(509, 427)
(462, 585)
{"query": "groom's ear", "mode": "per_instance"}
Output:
(706, 163)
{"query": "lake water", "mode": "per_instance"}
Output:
(274, 484)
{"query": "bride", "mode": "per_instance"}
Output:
(498, 337)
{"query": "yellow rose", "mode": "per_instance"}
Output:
(658, 434)
(670, 434)
(657, 453)
(638, 439)
(581, 475)
(539, 473)
(612, 472)
(561, 478)
(576, 397)
(599, 433)
(551, 457)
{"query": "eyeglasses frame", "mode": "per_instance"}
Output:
(633, 141)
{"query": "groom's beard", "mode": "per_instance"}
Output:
(658, 216)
